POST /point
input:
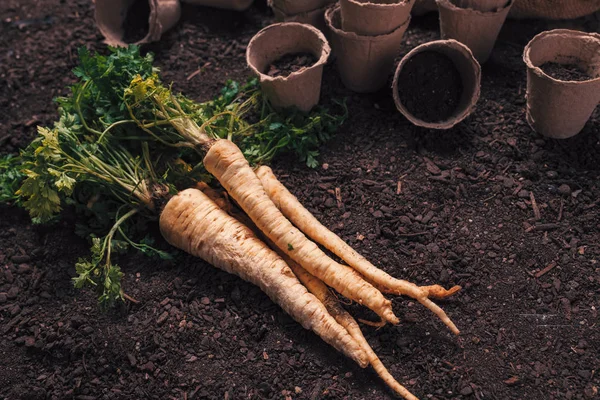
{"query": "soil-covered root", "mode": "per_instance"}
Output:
(291, 207)
(192, 222)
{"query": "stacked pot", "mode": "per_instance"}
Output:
(310, 12)
(366, 37)
(475, 23)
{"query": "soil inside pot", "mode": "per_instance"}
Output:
(565, 72)
(136, 25)
(289, 63)
(430, 86)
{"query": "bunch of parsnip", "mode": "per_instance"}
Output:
(125, 140)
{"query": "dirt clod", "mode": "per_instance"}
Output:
(289, 63)
(565, 72)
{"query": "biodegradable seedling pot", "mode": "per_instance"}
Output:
(470, 75)
(293, 7)
(236, 5)
(302, 88)
(315, 18)
(111, 14)
(364, 62)
(555, 108)
(477, 28)
(374, 17)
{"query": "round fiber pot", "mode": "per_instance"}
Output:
(111, 15)
(560, 108)
(477, 28)
(292, 7)
(315, 18)
(374, 17)
(299, 89)
(236, 5)
(364, 62)
(458, 74)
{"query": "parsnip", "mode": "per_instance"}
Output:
(193, 223)
(309, 225)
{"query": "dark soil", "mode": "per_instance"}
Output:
(430, 86)
(565, 72)
(290, 63)
(136, 24)
(453, 207)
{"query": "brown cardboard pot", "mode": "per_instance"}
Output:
(375, 17)
(470, 72)
(237, 5)
(110, 15)
(315, 18)
(560, 109)
(292, 7)
(302, 88)
(476, 28)
(364, 62)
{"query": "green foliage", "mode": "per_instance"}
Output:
(97, 97)
(11, 178)
(121, 134)
(277, 131)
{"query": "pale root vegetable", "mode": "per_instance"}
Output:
(194, 223)
(320, 291)
(311, 227)
(226, 162)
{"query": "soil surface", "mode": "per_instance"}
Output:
(291, 63)
(565, 72)
(136, 24)
(511, 216)
(430, 86)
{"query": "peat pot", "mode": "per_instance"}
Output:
(302, 88)
(111, 15)
(560, 108)
(437, 84)
(314, 17)
(374, 17)
(473, 23)
(364, 62)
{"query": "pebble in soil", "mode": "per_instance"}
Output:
(290, 63)
(565, 72)
(136, 25)
(430, 86)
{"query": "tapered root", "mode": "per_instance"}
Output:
(294, 210)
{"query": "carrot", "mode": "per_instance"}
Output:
(192, 222)
(226, 162)
(307, 223)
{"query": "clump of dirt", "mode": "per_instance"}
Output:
(430, 86)
(136, 23)
(289, 63)
(565, 72)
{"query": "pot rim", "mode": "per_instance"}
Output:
(540, 36)
(380, 6)
(486, 14)
(354, 36)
